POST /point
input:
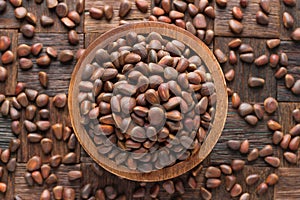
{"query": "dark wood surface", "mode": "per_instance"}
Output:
(251, 28)
(59, 74)
(8, 88)
(292, 50)
(244, 70)
(103, 25)
(235, 127)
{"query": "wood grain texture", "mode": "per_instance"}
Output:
(251, 28)
(5, 132)
(295, 12)
(63, 180)
(90, 37)
(99, 182)
(288, 186)
(59, 74)
(8, 19)
(8, 87)
(188, 18)
(190, 193)
(61, 116)
(101, 26)
(21, 187)
(27, 149)
(27, 193)
(8, 178)
(263, 172)
(292, 49)
(244, 70)
(41, 9)
(287, 121)
(237, 129)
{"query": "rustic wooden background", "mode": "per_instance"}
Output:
(235, 128)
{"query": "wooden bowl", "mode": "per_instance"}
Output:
(207, 57)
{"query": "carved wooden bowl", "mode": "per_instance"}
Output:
(211, 63)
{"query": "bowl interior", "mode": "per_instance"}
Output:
(211, 63)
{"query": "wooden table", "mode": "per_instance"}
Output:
(235, 128)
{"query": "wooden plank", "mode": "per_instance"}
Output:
(59, 74)
(5, 132)
(8, 87)
(251, 28)
(62, 174)
(123, 186)
(8, 178)
(237, 129)
(287, 122)
(8, 19)
(10, 185)
(190, 194)
(27, 149)
(21, 187)
(292, 50)
(188, 18)
(26, 192)
(288, 186)
(90, 37)
(294, 11)
(58, 27)
(263, 172)
(243, 71)
(61, 116)
(101, 26)
(210, 22)
(284, 94)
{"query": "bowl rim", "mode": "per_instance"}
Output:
(219, 118)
